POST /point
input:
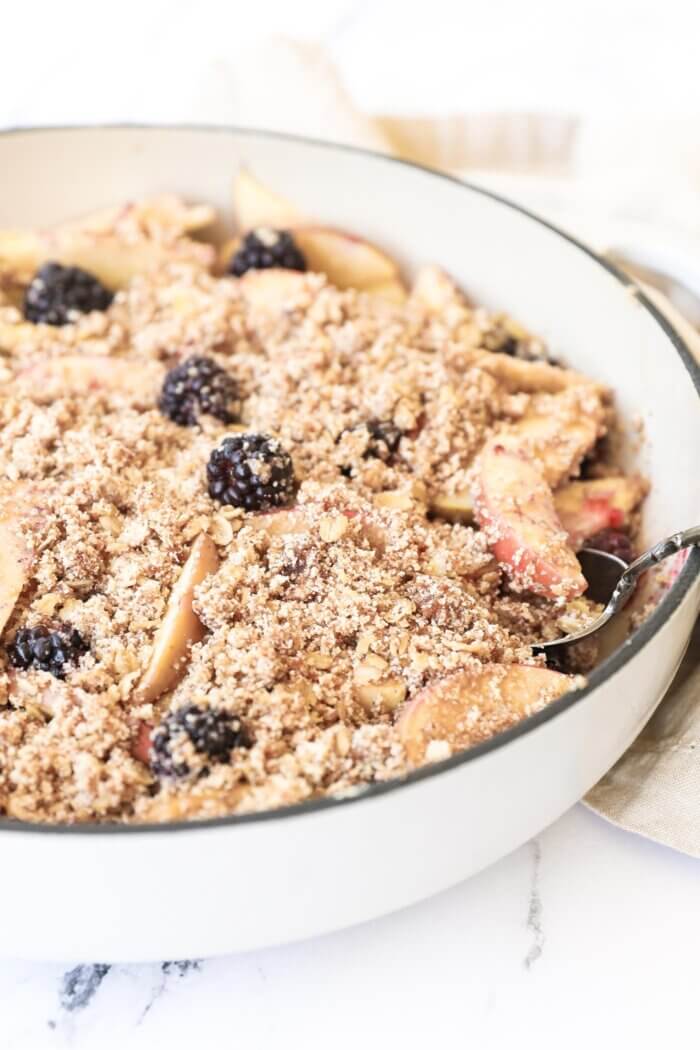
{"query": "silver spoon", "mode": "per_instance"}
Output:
(612, 581)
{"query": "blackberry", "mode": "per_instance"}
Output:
(196, 387)
(502, 342)
(252, 471)
(46, 649)
(613, 541)
(58, 295)
(213, 734)
(264, 248)
(382, 441)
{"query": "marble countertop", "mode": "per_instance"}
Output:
(586, 936)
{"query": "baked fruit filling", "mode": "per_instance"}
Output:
(274, 523)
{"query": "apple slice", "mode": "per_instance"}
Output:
(453, 506)
(467, 707)
(141, 742)
(15, 553)
(531, 376)
(181, 627)
(587, 507)
(256, 205)
(514, 506)
(89, 374)
(271, 289)
(347, 261)
(20, 251)
(556, 441)
(435, 291)
(115, 261)
(393, 291)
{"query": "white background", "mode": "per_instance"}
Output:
(151, 59)
(586, 937)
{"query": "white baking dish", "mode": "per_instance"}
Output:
(116, 893)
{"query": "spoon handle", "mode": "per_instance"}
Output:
(664, 549)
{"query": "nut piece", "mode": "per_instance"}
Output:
(181, 627)
(383, 696)
(455, 506)
(332, 527)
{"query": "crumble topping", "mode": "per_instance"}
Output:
(324, 619)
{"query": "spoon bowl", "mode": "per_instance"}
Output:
(612, 583)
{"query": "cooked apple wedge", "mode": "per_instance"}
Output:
(587, 507)
(141, 743)
(557, 441)
(15, 555)
(165, 217)
(256, 205)
(453, 506)
(392, 291)
(271, 289)
(89, 374)
(530, 376)
(467, 707)
(20, 252)
(181, 627)
(113, 260)
(347, 261)
(434, 291)
(514, 506)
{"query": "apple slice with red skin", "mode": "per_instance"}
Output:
(514, 506)
(557, 441)
(16, 507)
(467, 707)
(14, 564)
(587, 507)
(141, 743)
(347, 260)
(181, 627)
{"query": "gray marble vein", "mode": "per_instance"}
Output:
(79, 985)
(534, 909)
(173, 968)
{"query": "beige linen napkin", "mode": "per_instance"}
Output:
(654, 789)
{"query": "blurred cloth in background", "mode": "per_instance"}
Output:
(605, 93)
